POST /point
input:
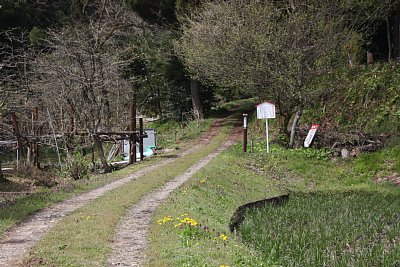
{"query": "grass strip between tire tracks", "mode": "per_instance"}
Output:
(82, 238)
(207, 202)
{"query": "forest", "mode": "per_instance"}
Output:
(80, 64)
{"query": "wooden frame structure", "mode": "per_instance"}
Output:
(35, 138)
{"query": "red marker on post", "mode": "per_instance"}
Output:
(310, 135)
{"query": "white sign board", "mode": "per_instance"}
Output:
(310, 135)
(266, 110)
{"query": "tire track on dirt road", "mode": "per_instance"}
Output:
(18, 240)
(131, 240)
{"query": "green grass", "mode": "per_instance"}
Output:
(342, 218)
(328, 229)
(310, 169)
(82, 238)
(210, 198)
(337, 200)
(172, 133)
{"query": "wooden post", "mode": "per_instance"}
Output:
(132, 127)
(245, 132)
(35, 126)
(141, 138)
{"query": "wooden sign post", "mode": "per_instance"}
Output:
(245, 117)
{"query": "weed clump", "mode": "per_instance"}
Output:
(78, 168)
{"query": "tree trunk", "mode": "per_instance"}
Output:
(28, 155)
(389, 38)
(159, 106)
(196, 103)
(284, 119)
(349, 60)
(285, 126)
(293, 4)
(293, 128)
(2, 177)
(92, 158)
(100, 149)
(396, 34)
(370, 55)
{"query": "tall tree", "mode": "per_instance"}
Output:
(16, 56)
(81, 74)
(275, 49)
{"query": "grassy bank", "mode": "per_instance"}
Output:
(82, 238)
(341, 213)
(328, 229)
(191, 228)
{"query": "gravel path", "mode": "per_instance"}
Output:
(131, 239)
(17, 241)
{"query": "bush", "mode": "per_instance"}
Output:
(78, 167)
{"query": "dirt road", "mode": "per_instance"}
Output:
(18, 240)
(130, 243)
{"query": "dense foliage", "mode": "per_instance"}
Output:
(364, 99)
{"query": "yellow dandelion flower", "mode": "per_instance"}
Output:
(178, 225)
(223, 237)
(164, 220)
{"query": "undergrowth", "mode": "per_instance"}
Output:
(364, 98)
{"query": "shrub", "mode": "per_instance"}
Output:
(78, 167)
